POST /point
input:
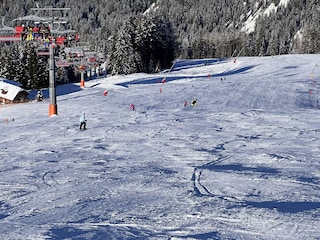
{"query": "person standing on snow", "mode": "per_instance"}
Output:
(83, 121)
(132, 107)
(39, 95)
(194, 102)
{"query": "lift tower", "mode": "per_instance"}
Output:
(53, 18)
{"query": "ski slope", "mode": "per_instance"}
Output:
(242, 164)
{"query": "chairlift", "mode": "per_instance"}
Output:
(63, 63)
(7, 33)
(64, 35)
(43, 52)
(30, 27)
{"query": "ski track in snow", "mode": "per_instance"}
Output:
(242, 164)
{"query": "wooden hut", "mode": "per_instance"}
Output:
(11, 91)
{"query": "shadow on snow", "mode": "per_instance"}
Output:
(185, 64)
(285, 207)
(3, 206)
(176, 78)
(99, 233)
(120, 232)
(60, 91)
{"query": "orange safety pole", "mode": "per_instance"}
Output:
(82, 79)
(53, 109)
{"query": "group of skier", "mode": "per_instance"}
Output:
(83, 120)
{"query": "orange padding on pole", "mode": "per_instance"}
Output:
(82, 83)
(52, 109)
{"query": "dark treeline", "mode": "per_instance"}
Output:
(146, 42)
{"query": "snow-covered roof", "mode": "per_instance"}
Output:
(9, 89)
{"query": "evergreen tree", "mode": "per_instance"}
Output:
(22, 64)
(12, 67)
(311, 34)
(36, 68)
(155, 42)
(125, 59)
(142, 45)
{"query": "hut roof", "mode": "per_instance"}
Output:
(9, 89)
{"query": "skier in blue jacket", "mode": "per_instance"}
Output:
(83, 121)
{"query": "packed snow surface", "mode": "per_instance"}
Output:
(241, 164)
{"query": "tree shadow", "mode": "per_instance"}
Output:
(285, 207)
(60, 91)
(163, 79)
